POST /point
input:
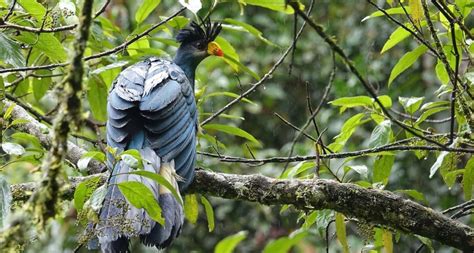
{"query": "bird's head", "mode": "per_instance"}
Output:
(197, 42)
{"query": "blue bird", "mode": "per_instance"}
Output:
(151, 108)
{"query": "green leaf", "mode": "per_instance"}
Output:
(46, 43)
(382, 167)
(132, 158)
(446, 162)
(310, 219)
(411, 104)
(441, 72)
(13, 148)
(209, 213)
(191, 210)
(341, 232)
(276, 5)
(347, 130)
(96, 199)
(406, 61)
(28, 139)
(5, 201)
(83, 191)
(241, 67)
(468, 179)
(381, 134)
(297, 169)
(414, 194)
(391, 11)
(349, 102)
(284, 244)
(34, 8)
(231, 130)
(8, 111)
(97, 97)
(10, 52)
(360, 169)
(18, 122)
(85, 159)
(138, 46)
(396, 37)
(229, 53)
(162, 181)
(145, 8)
(430, 105)
(385, 100)
(41, 84)
(141, 197)
(232, 58)
(427, 242)
(178, 22)
(228, 244)
(451, 176)
(430, 112)
(248, 28)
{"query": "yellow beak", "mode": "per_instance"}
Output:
(214, 49)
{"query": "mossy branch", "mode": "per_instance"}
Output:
(379, 207)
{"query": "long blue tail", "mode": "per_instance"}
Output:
(119, 221)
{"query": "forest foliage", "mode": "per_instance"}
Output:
(384, 101)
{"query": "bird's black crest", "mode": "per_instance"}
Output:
(206, 31)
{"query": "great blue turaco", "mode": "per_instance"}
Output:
(151, 108)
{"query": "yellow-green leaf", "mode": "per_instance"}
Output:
(391, 11)
(141, 197)
(231, 130)
(228, 244)
(34, 8)
(209, 213)
(406, 61)
(97, 97)
(468, 179)
(387, 241)
(46, 43)
(162, 181)
(341, 232)
(146, 7)
(191, 209)
(416, 10)
(276, 5)
(398, 35)
(382, 168)
(84, 190)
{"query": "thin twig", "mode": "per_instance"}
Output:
(8, 25)
(102, 9)
(294, 127)
(389, 147)
(10, 11)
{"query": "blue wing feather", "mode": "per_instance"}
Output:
(151, 108)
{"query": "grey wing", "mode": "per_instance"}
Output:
(123, 104)
(170, 119)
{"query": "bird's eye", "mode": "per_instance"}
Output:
(200, 45)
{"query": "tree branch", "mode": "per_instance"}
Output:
(374, 206)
